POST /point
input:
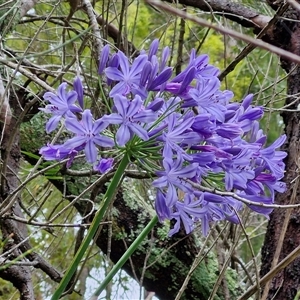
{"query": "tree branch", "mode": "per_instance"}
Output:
(233, 11)
(17, 276)
(290, 56)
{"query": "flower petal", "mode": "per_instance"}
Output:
(52, 123)
(123, 135)
(74, 126)
(139, 131)
(90, 152)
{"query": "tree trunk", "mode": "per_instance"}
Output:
(13, 233)
(283, 234)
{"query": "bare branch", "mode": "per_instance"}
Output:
(251, 47)
(259, 43)
(96, 31)
(47, 225)
(113, 32)
(234, 11)
(4, 263)
(5, 111)
(239, 198)
(270, 275)
(18, 276)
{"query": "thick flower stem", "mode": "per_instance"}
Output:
(93, 228)
(126, 256)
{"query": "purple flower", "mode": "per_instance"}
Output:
(146, 73)
(128, 78)
(59, 152)
(258, 185)
(153, 48)
(260, 200)
(113, 62)
(162, 210)
(204, 125)
(187, 212)
(229, 130)
(244, 114)
(195, 208)
(77, 85)
(202, 96)
(274, 159)
(164, 57)
(238, 169)
(203, 69)
(178, 134)
(172, 178)
(155, 82)
(130, 116)
(103, 59)
(247, 101)
(247, 119)
(156, 104)
(62, 104)
(181, 88)
(54, 152)
(104, 165)
(87, 135)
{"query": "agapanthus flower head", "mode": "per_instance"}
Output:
(184, 128)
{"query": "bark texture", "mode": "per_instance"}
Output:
(231, 10)
(19, 276)
(286, 34)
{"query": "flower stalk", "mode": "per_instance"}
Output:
(126, 256)
(93, 228)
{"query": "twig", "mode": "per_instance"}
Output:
(285, 262)
(250, 47)
(95, 28)
(259, 43)
(198, 259)
(293, 3)
(235, 196)
(224, 267)
(46, 224)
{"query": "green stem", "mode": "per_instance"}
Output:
(126, 255)
(93, 228)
